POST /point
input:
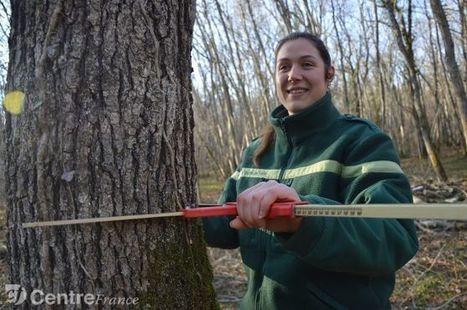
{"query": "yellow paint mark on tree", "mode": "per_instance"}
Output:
(14, 102)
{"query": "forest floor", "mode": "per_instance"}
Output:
(436, 278)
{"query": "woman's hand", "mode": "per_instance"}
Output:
(253, 206)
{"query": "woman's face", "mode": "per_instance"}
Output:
(300, 75)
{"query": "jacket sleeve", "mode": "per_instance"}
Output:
(371, 174)
(217, 231)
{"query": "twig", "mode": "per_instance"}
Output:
(422, 227)
(423, 273)
(447, 302)
(433, 263)
(5, 10)
(228, 299)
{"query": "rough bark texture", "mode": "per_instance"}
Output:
(2, 159)
(106, 130)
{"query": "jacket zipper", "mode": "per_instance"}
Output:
(286, 160)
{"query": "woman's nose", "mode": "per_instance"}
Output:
(294, 74)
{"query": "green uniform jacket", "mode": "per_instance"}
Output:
(329, 263)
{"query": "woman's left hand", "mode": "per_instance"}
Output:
(253, 206)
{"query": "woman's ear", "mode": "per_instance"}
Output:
(330, 74)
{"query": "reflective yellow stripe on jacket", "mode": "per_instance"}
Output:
(332, 166)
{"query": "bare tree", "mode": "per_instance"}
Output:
(283, 8)
(461, 5)
(107, 129)
(453, 68)
(379, 69)
(403, 33)
(341, 59)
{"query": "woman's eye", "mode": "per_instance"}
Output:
(307, 65)
(283, 67)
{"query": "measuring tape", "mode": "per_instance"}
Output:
(451, 211)
(398, 211)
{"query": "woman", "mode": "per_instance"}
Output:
(313, 153)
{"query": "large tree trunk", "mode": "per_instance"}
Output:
(2, 158)
(107, 129)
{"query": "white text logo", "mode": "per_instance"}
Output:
(16, 294)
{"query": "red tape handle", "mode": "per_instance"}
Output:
(278, 209)
(221, 210)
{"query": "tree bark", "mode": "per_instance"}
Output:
(107, 129)
(2, 157)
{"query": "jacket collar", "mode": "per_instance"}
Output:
(298, 126)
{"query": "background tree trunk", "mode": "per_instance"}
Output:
(107, 130)
(403, 34)
(453, 68)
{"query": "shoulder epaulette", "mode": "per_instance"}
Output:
(354, 118)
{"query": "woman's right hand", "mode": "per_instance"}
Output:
(253, 206)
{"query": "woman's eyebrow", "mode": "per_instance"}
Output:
(301, 57)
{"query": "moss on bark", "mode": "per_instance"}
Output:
(178, 262)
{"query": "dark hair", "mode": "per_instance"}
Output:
(315, 40)
(268, 132)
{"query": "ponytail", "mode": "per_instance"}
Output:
(266, 140)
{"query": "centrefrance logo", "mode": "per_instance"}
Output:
(17, 295)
